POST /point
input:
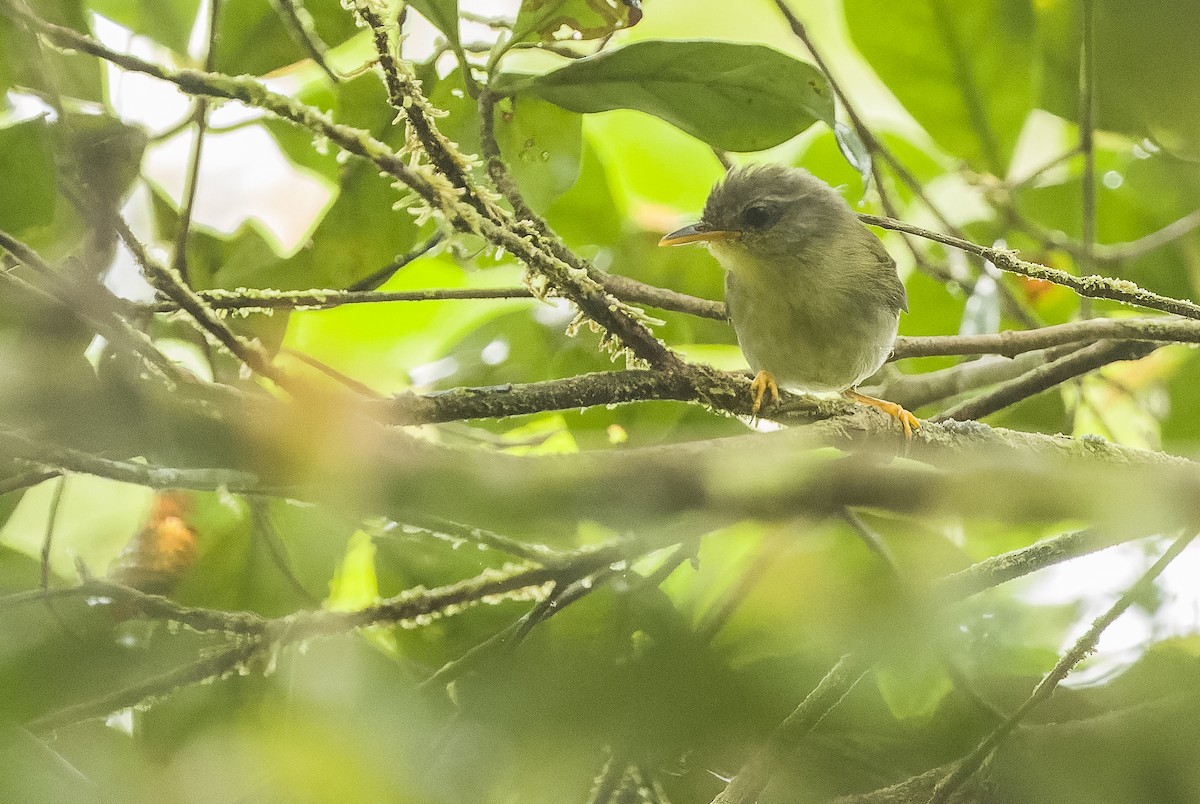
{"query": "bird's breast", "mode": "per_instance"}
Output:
(806, 329)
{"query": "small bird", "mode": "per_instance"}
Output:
(812, 294)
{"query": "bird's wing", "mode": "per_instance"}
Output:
(877, 249)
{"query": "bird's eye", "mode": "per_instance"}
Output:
(756, 217)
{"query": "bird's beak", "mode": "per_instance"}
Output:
(696, 233)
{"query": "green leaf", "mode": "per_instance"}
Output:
(912, 686)
(26, 162)
(54, 73)
(167, 22)
(965, 71)
(542, 145)
(733, 96)
(1146, 67)
(542, 20)
(443, 15)
(253, 40)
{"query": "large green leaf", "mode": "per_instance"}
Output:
(26, 62)
(1146, 67)
(965, 71)
(733, 96)
(168, 22)
(582, 19)
(253, 40)
(26, 161)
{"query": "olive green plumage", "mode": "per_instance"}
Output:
(811, 292)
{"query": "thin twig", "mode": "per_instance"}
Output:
(191, 182)
(51, 520)
(752, 778)
(299, 25)
(168, 282)
(1045, 377)
(1096, 287)
(376, 278)
(1087, 146)
(967, 767)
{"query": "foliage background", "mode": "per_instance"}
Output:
(677, 663)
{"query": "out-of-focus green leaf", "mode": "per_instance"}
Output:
(253, 40)
(443, 14)
(1146, 68)
(733, 96)
(913, 688)
(26, 63)
(543, 20)
(26, 161)
(167, 22)
(965, 71)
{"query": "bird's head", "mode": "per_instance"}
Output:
(769, 213)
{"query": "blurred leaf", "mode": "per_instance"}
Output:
(1146, 67)
(252, 40)
(914, 687)
(354, 586)
(442, 14)
(48, 71)
(964, 71)
(543, 20)
(736, 97)
(26, 161)
(167, 22)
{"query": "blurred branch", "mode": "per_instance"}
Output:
(1047, 376)
(752, 778)
(916, 390)
(91, 303)
(26, 480)
(1082, 647)
(1087, 146)
(179, 258)
(213, 666)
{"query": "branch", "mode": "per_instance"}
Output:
(966, 768)
(168, 282)
(1013, 342)
(1047, 376)
(752, 778)
(1087, 144)
(1093, 287)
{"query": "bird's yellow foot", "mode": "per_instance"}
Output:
(764, 383)
(908, 421)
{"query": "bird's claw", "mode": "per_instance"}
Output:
(764, 383)
(908, 421)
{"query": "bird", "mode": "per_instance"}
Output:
(812, 294)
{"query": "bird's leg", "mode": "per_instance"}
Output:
(908, 421)
(764, 382)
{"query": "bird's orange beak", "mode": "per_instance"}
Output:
(696, 233)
